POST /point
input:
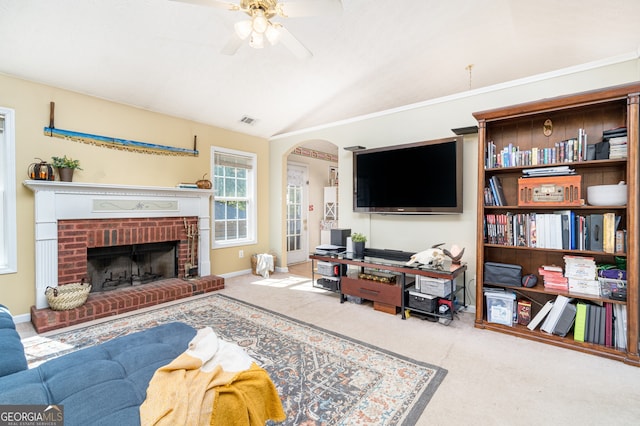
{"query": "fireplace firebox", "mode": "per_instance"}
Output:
(113, 267)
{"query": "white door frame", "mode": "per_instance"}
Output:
(302, 254)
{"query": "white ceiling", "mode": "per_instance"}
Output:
(165, 56)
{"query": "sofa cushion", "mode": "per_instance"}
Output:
(12, 358)
(103, 384)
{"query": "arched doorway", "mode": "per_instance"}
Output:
(311, 173)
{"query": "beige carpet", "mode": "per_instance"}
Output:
(493, 379)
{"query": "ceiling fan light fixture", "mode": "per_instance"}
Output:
(257, 40)
(273, 34)
(259, 21)
(243, 29)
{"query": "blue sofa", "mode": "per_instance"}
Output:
(100, 385)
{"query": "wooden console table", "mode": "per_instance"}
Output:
(391, 294)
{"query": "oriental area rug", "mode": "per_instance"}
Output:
(323, 378)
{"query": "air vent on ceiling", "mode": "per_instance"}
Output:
(248, 120)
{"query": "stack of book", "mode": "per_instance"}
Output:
(617, 142)
(549, 171)
(582, 275)
(552, 277)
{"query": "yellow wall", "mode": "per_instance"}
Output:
(87, 114)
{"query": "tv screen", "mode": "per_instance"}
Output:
(416, 178)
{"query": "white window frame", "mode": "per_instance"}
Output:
(252, 201)
(8, 224)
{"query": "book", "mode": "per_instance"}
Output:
(566, 320)
(609, 232)
(494, 192)
(499, 190)
(540, 316)
(551, 321)
(580, 322)
(524, 312)
(608, 331)
(595, 236)
(620, 325)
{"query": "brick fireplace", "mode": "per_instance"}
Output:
(76, 236)
(71, 218)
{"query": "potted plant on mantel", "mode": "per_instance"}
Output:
(358, 241)
(65, 166)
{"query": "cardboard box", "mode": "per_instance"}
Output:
(383, 307)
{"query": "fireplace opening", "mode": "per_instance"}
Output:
(113, 267)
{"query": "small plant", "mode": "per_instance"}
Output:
(65, 162)
(356, 237)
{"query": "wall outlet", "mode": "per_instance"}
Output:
(241, 254)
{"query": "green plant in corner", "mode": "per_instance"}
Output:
(356, 237)
(66, 162)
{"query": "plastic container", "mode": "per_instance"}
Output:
(501, 307)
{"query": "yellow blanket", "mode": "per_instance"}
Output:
(195, 388)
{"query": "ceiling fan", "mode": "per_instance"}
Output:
(260, 29)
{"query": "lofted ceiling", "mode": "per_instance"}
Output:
(165, 56)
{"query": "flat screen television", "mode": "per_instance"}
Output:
(415, 178)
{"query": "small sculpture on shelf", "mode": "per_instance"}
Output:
(435, 256)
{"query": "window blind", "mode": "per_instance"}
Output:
(231, 160)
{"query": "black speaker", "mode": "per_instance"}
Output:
(339, 237)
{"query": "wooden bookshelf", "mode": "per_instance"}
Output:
(523, 126)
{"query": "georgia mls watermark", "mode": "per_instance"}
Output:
(31, 415)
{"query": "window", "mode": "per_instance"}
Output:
(234, 203)
(8, 239)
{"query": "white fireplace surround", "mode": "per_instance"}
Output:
(70, 200)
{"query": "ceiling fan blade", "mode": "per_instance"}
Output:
(212, 3)
(293, 44)
(232, 45)
(309, 8)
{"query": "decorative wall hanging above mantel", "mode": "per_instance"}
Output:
(115, 143)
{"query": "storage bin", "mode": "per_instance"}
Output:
(330, 283)
(423, 302)
(329, 269)
(433, 286)
(501, 307)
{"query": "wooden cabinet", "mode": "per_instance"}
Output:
(533, 127)
(388, 294)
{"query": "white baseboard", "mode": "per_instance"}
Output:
(22, 318)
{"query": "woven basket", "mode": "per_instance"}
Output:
(254, 263)
(68, 296)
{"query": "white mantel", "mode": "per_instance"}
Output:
(56, 200)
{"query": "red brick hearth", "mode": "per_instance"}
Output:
(114, 302)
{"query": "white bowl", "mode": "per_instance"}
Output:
(607, 195)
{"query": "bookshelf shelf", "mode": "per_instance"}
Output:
(541, 290)
(566, 342)
(563, 251)
(515, 135)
